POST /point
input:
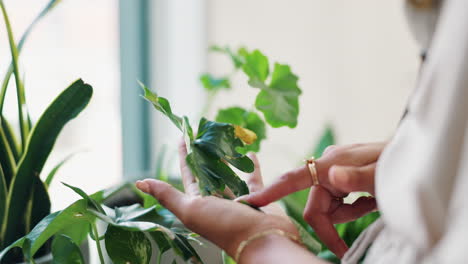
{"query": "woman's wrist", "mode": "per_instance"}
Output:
(258, 248)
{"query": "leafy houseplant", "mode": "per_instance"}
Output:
(27, 228)
(24, 200)
(133, 231)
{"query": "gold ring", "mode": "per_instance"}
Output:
(310, 163)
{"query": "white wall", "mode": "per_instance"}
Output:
(356, 61)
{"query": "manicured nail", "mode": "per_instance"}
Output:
(143, 186)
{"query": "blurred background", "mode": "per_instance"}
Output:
(356, 63)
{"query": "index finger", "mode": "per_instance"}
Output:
(189, 181)
(292, 181)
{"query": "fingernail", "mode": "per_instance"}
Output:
(143, 186)
(240, 198)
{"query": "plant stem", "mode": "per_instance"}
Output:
(98, 242)
(158, 260)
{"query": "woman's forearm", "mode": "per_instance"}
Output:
(277, 249)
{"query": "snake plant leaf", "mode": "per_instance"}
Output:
(48, 7)
(40, 143)
(279, 102)
(11, 138)
(162, 105)
(211, 83)
(57, 167)
(21, 97)
(53, 224)
(125, 246)
(40, 204)
(247, 119)
(3, 196)
(65, 251)
(6, 158)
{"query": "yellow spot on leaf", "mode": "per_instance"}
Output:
(246, 135)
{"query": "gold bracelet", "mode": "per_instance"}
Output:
(249, 240)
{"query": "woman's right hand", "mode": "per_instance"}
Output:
(341, 170)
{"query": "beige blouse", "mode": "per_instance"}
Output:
(422, 175)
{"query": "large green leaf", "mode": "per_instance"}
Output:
(43, 136)
(247, 119)
(127, 247)
(53, 224)
(40, 201)
(65, 251)
(256, 67)
(279, 102)
(214, 145)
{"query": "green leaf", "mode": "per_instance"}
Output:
(3, 196)
(40, 143)
(126, 247)
(40, 204)
(312, 245)
(91, 202)
(327, 139)
(162, 105)
(51, 5)
(214, 84)
(216, 144)
(65, 251)
(256, 67)
(185, 250)
(54, 171)
(6, 158)
(351, 230)
(250, 120)
(162, 241)
(220, 141)
(21, 97)
(279, 102)
(11, 138)
(52, 224)
(226, 258)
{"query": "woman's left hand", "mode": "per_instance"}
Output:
(224, 222)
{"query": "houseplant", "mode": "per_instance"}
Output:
(27, 228)
(131, 231)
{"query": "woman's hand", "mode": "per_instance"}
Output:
(341, 170)
(226, 223)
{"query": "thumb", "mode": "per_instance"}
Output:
(353, 179)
